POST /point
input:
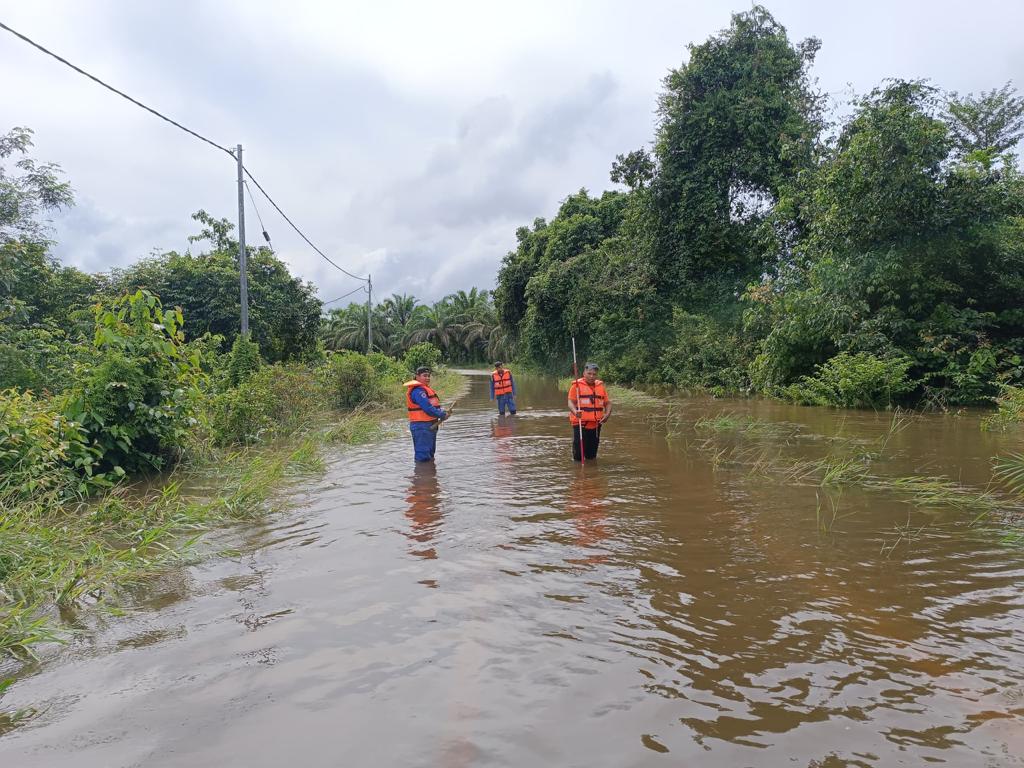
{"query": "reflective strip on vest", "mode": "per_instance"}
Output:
(502, 382)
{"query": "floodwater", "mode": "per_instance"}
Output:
(662, 605)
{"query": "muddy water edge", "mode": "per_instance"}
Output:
(696, 596)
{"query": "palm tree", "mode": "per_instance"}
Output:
(345, 328)
(437, 324)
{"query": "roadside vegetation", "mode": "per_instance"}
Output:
(865, 254)
(134, 417)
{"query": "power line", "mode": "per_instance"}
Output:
(360, 288)
(122, 94)
(199, 136)
(301, 233)
(253, 201)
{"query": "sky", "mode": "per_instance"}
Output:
(408, 140)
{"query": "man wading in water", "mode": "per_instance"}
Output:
(425, 414)
(589, 406)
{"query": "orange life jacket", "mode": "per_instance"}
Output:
(415, 412)
(590, 401)
(502, 382)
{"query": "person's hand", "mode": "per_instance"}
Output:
(445, 415)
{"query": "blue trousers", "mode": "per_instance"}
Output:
(506, 401)
(424, 440)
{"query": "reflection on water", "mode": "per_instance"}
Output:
(659, 606)
(424, 509)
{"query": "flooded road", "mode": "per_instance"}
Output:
(660, 606)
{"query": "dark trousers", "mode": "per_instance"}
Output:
(424, 439)
(591, 439)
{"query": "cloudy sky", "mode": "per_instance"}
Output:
(408, 139)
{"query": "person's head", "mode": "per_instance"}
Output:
(590, 373)
(498, 365)
(423, 374)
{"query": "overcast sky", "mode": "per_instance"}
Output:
(408, 139)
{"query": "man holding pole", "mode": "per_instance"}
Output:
(425, 414)
(589, 408)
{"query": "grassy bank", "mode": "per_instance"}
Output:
(117, 479)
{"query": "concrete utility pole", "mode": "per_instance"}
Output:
(369, 314)
(243, 276)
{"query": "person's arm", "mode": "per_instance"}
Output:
(572, 401)
(607, 408)
(419, 396)
(512, 381)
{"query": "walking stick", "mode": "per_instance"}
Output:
(448, 410)
(579, 421)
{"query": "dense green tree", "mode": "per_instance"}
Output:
(284, 313)
(993, 121)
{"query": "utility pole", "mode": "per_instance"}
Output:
(243, 277)
(369, 314)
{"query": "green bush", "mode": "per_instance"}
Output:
(706, 355)
(243, 360)
(350, 380)
(389, 370)
(854, 381)
(421, 354)
(136, 397)
(275, 401)
(39, 447)
(1011, 410)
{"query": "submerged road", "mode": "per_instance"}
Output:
(513, 609)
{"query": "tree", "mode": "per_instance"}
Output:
(635, 169)
(284, 313)
(736, 122)
(993, 121)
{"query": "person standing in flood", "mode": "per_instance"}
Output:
(425, 414)
(503, 389)
(589, 406)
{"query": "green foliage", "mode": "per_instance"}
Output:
(707, 354)
(993, 121)
(350, 380)
(284, 314)
(273, 401)
(421, 354)
(854, 381)
(1010, 413)
(387, 369)
(39, 447)
(137, 394)
(243, 360)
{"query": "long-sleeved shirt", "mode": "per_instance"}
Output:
(419, 396)
(511, 380)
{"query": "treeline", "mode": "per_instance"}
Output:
(768, 246)
(463, 326)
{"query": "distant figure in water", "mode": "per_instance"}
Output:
(503, 389)
(425, 414)
(589, 406)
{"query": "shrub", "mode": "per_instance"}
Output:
(275, 401)
(1011, 410)
(137, 396)
(389, 370)
(39, 447)
(420, 354)
(243, 360)
(350, 380)
(706, 354)
(854, 381)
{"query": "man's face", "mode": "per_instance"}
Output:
(423, 378)
(499, 368)
(590, 375)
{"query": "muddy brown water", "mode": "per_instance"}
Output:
(656, 607)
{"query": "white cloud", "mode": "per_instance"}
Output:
(407, 139)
